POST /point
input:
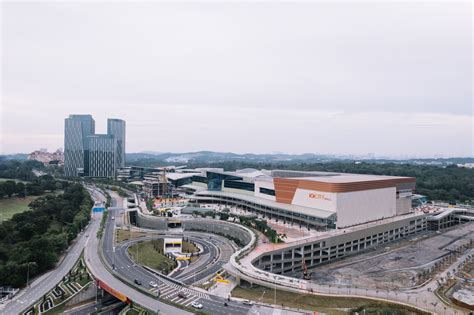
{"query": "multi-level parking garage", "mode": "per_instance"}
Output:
(450, 217)
(325, 248)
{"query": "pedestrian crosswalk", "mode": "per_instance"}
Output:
(178, 294)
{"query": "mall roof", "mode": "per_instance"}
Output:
(176, 176)
(352, 178)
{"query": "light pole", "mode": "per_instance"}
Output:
(28, 272)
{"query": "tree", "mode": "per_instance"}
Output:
(20, 189)
(10, 187)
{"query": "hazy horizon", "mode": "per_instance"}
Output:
(354, 78)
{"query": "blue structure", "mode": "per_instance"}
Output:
(98, 209)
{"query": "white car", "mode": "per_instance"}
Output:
(153, 284)
(247, 302)
(196, 305)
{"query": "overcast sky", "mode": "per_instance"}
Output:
(323, 77)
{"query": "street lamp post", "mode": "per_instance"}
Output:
(113, 257)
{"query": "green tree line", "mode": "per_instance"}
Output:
(32, 186)
(33, 240)
(38, 186)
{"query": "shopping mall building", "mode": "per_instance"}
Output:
(316, 200)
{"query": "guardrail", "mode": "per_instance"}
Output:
(11, 293)
(259, 274)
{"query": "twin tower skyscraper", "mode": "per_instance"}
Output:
(89, 154)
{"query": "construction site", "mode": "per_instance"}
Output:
(400, 265)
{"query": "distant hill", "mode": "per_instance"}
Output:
(17, 156)
(209, 157)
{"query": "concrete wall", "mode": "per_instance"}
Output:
(218, 227)
(84, 295)
(403, 205)
(197, 224)
(150, 222)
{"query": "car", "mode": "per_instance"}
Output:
(137, 282)
(196, 305)
(113, 218)
(247, 302)
(153, 284)
(182, 295)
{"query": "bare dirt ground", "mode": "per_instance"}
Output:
(396, 265)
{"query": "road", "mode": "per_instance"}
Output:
(97, 268)
(217, 251)
(168, 289)
(27, 296)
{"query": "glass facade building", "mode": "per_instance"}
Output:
(214, 180)
(77, 129)
(102, 155)
(88, 154)
(116, 127)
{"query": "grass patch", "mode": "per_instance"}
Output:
(326, 304)
(149, 255)
(205, 285)
(84, 281)
(124, 235)
(13, 205)
(10, 206)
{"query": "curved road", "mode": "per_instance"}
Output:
(45, 283)
(169, 289)
(99, 271)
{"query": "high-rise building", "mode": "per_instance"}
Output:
(116, 127)
(88, 154)
(77, 129)
(102, 155)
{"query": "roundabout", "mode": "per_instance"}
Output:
(175, 288)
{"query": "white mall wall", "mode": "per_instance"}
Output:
(367, 205)
(264, 184)
(352, 207)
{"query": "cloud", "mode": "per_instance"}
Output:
(236, 76)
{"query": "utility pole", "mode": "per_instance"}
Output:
(27, 274)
